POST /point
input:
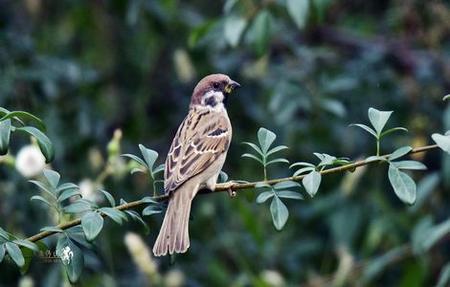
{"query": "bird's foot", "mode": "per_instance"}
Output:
(232, 193)
(229, 187)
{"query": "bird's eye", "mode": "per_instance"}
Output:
(216, 85)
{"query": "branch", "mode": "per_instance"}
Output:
(229, 186)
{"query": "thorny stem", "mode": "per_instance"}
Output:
(234, 186)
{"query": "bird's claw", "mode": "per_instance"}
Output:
(232, 193)
(229, 186)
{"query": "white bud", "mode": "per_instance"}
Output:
(272, 278)
(141, 256)
(30, 161)
(174, 278)
(87, 189)
(183, 66)
(26, 281)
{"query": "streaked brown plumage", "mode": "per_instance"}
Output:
(195, 159)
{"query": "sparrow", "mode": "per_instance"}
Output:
(195, 159)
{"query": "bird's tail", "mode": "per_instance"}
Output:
(174, 233)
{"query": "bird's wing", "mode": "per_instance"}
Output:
(201, 138)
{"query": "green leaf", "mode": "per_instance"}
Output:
(366, 128)
(135, 170)
(333, 106)
(43, 187)
(444, 276)
(151, 209)
(68, 193)
(72, 258)
(24, 115)
(286, 184)
(115, 214)
(265, 138)
(263, 196)
(304, 170)
(393, 130)
(403, 185)
(326, 159)
(409, 164)
(398, 153)
(298, 10)
(442, 141)
(302, 164)
(66, 186)
(279, 213)
(276, 149)
(262, 185)
(200, 32)
(4, 235)
(277, 160)
(109, 197)
(258, 33)
(5, 133)
(249, 155)
(44, 143)
(320, 156)
(3, 111)
(290, 194)
(424, 189)
(375, 158)
(420, 233)
(234, 26)
(134, 215)
(223, 176)
(2, 252)
(136, 159)
(435, 234)
(52, 177)
(92, 224)
(149, 155)
(148, 199)
(28, 256)
(159, 168)
(311, 182)
(446, 97)
(40, 198)
(78, 206)
(15, 253)
(378, 119)
(52, 229)
(76, 234)
(378, 264)
(255, 147)
(341, 161)
(26, 243)
(229, 4)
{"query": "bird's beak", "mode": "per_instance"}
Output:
(231, 86)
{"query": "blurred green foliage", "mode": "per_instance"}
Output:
(90, 68)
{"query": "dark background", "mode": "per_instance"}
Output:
(88, 68)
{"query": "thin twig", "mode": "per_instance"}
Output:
(233, 186)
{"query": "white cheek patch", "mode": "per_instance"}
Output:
(213, 99)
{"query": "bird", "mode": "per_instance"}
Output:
(195, 159)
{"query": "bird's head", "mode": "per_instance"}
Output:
(213, 90)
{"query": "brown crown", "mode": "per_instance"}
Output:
(205, 85)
